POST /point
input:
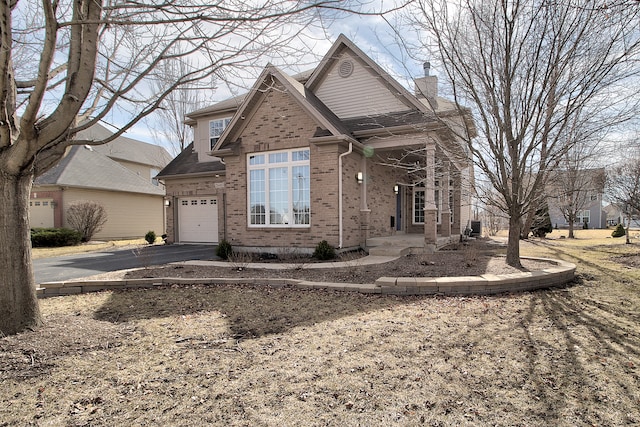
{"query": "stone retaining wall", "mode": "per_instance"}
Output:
(486, 284)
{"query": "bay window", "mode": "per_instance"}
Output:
(279, 189)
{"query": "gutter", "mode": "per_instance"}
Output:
(346, 153)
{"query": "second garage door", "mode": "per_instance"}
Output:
(198, 219)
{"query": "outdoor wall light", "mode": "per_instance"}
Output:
(167, 203)
(359, 177)
(396, 189)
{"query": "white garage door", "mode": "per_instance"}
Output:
(41, 213)
(198, 219)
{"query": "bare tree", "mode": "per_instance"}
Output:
(86, 217)
(623, 188)
(525, 68)
(67, 64)
(170, 123)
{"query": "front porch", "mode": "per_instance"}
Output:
(404, 244)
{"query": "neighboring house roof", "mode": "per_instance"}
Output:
(588, 179)
(186, 163)
(84, 167)
(126, 149)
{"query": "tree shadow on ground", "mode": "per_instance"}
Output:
(584, 343)
(250, 310)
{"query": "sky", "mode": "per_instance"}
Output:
(370, 33)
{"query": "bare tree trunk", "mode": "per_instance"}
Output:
(571, 235)
(513, 244)
(18, 301)
(626, 235)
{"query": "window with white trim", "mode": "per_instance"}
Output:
(216, 127)
(436, 197)
(418, 204)
(584, 216)
(419, 199)
(451, 210)
(278, 189)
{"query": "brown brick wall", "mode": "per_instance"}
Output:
(200, 186)
(277, 124)
(381, 199)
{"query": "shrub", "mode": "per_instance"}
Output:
(324, 251)
(542, 222)
(54, 237)
(618, 231)
(86, 217)
(585, 225)
(224, 249)
(150, 237)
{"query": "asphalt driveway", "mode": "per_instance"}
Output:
(87, 264)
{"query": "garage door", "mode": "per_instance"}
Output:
(198, 220)
(41, 213)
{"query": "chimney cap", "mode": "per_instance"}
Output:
(426, 66)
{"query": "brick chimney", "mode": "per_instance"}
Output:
(427, 86)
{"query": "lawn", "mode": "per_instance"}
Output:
(258, 356)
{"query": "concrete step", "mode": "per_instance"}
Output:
(387, 250)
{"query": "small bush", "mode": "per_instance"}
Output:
(87, 217)
(150, 237)
(585, 225)
(54, 237)
(224, 249)
(618, 231)
(324, 251)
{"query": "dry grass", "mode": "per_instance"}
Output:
(37, 253)
(259, 356)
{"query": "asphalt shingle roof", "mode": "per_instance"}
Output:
(187, 163)
(84, 167)
(127, 149)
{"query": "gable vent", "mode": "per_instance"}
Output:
(345, 69)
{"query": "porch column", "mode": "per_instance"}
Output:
(445, 221)
(430, 209)
(365, 212)
(457, 200)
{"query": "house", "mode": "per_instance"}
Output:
(119, 175)
(579, 191)
(342, 153)
(616, 216)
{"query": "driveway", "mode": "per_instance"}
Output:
(87, 264)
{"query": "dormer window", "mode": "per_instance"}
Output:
(216, 127)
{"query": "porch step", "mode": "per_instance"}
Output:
(386, 250)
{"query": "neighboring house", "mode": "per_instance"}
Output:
(583, 190)
(342, 153)
(616, 216)
(119, 175)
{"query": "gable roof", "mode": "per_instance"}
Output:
(126, 149)
(83, 167)
(341, 44)
(186, 163)
(304, 97)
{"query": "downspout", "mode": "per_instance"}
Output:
(346, 153)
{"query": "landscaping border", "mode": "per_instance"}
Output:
(487, 284)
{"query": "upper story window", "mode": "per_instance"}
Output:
(279, 189)
(216, 127)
